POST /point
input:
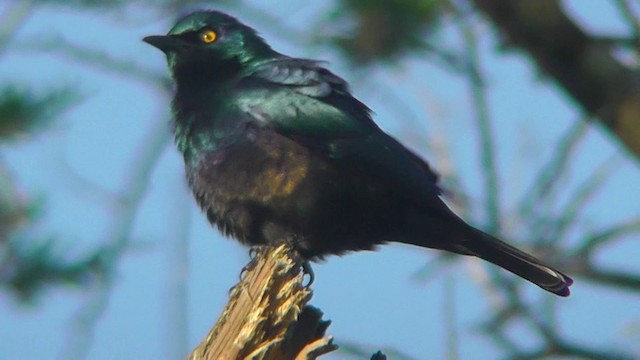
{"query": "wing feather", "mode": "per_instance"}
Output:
(306, 102)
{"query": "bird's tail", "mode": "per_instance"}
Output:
(518, 262)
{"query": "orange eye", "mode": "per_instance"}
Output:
(208, 36)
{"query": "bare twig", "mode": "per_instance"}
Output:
(621, 279)
(604, 237)
(177, 274)
(580, 198)
(547, 179)
(450, 320)
(13, 18)
(573, 351)
(485, 133)
(99, 59)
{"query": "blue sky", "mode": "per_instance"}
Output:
(88, 156)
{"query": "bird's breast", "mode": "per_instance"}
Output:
(258, 167)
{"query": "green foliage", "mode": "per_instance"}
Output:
(30, 265)
(13, 211)
(23, 112)
(387, 29)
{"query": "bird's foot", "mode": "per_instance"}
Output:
(253, 253)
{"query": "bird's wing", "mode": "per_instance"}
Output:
(306, 102)
(301, 97)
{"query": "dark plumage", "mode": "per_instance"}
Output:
(277, 150)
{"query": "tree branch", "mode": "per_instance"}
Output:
(485, 131)
(584, 67)
(267, 316)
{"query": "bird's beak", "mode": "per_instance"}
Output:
(165, 43)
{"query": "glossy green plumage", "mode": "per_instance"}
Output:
(278, 150)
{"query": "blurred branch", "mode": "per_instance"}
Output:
(450, 320)
(553, 343)
(368, 38)
(142, 167)
(615, 278)
(485, 132)
(579, 199)
(147, 156)
(513, 308)
(31, 262)
(14, 208)
(22, 112)
(626, 11)
(547, 179)
(101, 60)
(28, 265)
(12, 19)
(456, 63)
(177, 272)
(569, 350)
(276, 24)
(584, 67)
(432, 268)
(604, 237)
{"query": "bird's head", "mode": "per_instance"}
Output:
(206, 42)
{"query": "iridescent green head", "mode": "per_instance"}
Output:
(206, 39)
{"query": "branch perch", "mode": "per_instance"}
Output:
(267, 316)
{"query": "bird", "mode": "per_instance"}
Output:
(278, 150)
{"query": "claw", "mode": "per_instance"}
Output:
(307, 270)
(244, 270)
